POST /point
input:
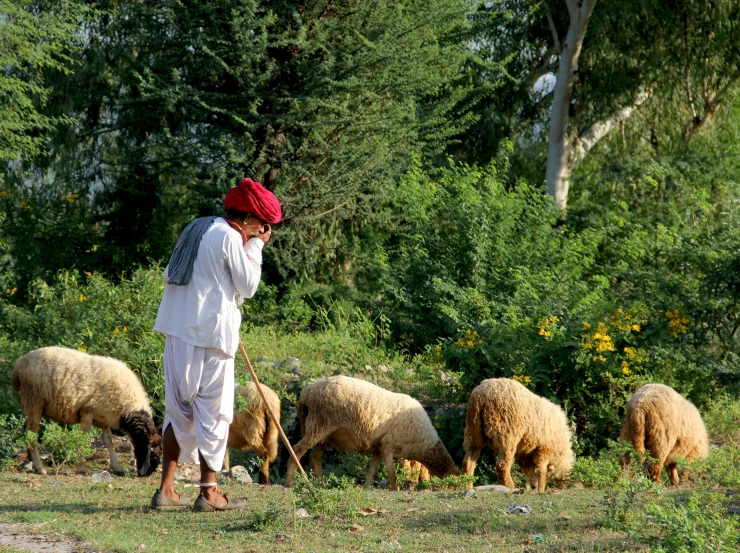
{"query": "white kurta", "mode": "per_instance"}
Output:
(201, 320)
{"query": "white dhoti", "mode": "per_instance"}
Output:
(199, 400)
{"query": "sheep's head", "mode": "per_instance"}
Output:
(146, 440)
(560, 465)
(439, 462)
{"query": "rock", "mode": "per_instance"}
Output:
(356, 528)
(443, 376)
(469, 493)
(299, 513)
(241, 475)
(368, 368)
(124, 447)
(439, 412)
(283, 537)
(577, 486)
(28, 467)
(493, 488)
(263, 359)
(291, 363)
(383, 484)
(383, 368)
(567, 517)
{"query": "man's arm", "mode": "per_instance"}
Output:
(245, 264)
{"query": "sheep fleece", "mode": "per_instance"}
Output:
(64, 382)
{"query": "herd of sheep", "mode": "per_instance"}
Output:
(71, 387)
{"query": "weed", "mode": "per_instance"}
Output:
(70, 445)
(449, 483)
(336, 497)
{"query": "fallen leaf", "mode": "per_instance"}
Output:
(356, 528)
(370, 511)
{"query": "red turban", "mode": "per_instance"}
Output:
(251, 197)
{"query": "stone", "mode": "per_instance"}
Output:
(493, 488)
(28, 467)
(283, 537)
(291, 363)
(469, 493)
(383, 484)
(383, 368)
(263, 359)
(439, 412)
(241, 475)
(299, 513)
(515, 509)
(124, 447)
(356, 528)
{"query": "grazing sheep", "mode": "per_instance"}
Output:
(519, 426)
(662, 422)
(357, 416)
(71, 387)
(253, 429)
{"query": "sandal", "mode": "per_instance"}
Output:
(161, 502)
(202, 506)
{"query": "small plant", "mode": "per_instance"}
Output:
(449, 483)
(697, 525)
(266, 519)
(70, 445)
(620, 503)
(12, 439)
(335, 497)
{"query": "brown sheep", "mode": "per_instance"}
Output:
(519, 426)
(356, 416)
(253, 429)
(71, 387)
(661, 421)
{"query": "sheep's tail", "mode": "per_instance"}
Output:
(473, 436)
(302, 414)
(634, 429)
(16, 382)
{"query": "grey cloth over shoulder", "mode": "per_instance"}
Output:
(186, 250)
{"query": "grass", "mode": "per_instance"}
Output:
(116, 517)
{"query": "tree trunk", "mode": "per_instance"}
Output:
(560, 150)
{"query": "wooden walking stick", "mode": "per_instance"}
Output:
(269, 411)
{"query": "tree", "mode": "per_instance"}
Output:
(325, 102)
(609, 61)
(32, 42)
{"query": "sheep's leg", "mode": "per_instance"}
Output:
(372, 471)
(264, 477)
(673, 473)
(108, 439)
(33, 421)
(227, 461)
(300, 450)
(503, 468)
(472, 454)
(85, 425)
(541, 471)
(390, 467)
(315, 460)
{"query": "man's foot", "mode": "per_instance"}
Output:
(225, 504)
(161, 502)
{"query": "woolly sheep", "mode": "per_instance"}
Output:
(356, 416)
(519, 426)
(662, 422)
(253, 429)
(71, 387)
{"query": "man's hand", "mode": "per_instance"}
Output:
(264, 236)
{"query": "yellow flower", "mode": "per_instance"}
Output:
(116, 331)
(11, 291)
(83, 349)
(586, 325)
(625, 368)
(470, 343)
(437, 349)
(527, 379)
(636, 328)
(83, 297)
(125, 329)
(71, 198)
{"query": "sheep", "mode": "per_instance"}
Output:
(252, 427)
(356, 416)
(519, 426)
(662, 422)
(72, 387)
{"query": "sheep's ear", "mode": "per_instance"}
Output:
(144, 468)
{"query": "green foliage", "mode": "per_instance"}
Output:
(621, 503)
(721, 468)
(335, 497)
(66, 445)
(449, 483)
(92, 314)
(696, 524)
(12, 439)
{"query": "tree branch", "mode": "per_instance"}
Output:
(711, 105)
(554, 31)
(588, 139)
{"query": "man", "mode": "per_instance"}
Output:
(216, 264)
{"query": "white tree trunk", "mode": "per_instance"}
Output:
(560, 151)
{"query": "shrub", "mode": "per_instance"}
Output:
(335, 497)
(66, 445)
(12, 439)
